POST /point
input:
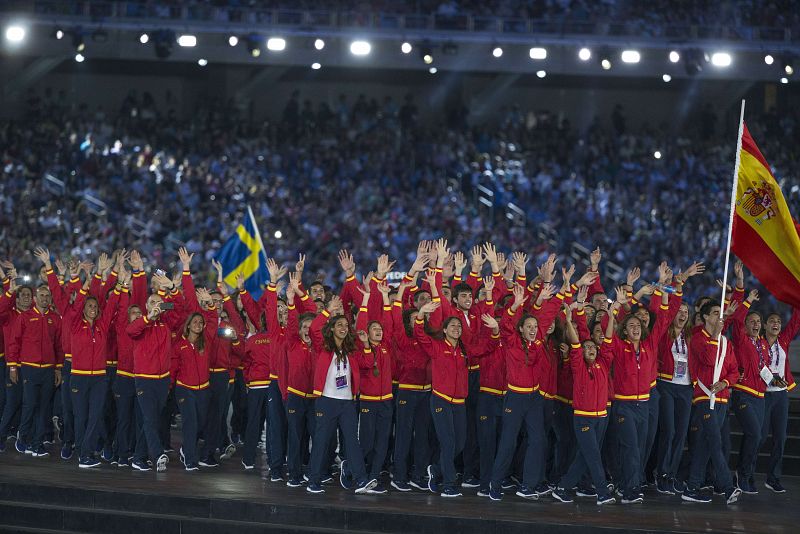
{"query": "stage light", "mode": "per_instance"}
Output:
(541, 73)
(538, 52)
(721, 59)
(630, 56)
(276, 44)
(15, 34)
(604, 58)
(768, 59)
(233, 40)
(497, 51)
(79, 57)
(58, 33)
(784, 80)
(674, 56)
(606, 64)
(405, 48)
(657, 154)
(433, 70)
(360, 48)
(187, 40)
(316, 66)
(253, 44)
(202, 62)
(584, 54)
(667, 78)
(278, 234)
(319, 44)
(144, 38)
(77, 40)
(788, 65)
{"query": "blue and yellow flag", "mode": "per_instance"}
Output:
(244, 253)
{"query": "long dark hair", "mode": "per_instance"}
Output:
(348, 343)
(200, 344)
(438, 333)
(687, 328)
(407, 326)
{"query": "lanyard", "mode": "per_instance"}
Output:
(339, 364)
(776, 354)
(680, 344)
(759, 349)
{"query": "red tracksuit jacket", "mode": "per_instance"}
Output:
(701, 366)
(589, 383)
(301, 359)
(357, 359)
(189, 366)
(377, 388)
(90, 342)
(35, 340)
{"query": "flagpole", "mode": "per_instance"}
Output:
(258, 233)
(720, 355)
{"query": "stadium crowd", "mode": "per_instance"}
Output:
(323, 174)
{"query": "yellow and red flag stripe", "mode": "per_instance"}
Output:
(765, 237)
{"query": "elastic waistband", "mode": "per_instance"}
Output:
(259, 384)
(706, 398)
(565, 400)
(448, 398)
(74, 371)
(151, 377)
(414, 387)
(517, 389)
(751, 391)
(492, 391)
(601, 413)
(195, 388)
(632, 397)
(125, 373)
(218, 370)
(299, 393)
(475, 367)
(375, 398)
(38, 365)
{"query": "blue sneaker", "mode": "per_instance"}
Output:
(664, 485)
(378, 489)
(20, 446)
(294, 482)
(605, 499)
(542, 489)
(450, 492)
(508, 484)
(471, 482)
(774, 485)
(191, 466)
(400, 486)
(693, 495)
(88, 462)
(433, 486)
(585, 492)
(678, 486)
(526, 493)
(421, 485)
(365, 486)
(123, 462)
(326, 479)
(344, 477)
(140, 465)
(40, 452)
(313, 487)
(248, 466)
(732, 495)
(494, 493)
(561, 495)
(108, 455)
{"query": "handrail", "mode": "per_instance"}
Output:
(98, 11)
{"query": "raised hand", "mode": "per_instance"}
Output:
(694, 269)
(731, 308)
(547, 269)
(753, 296)
(488, 284)
(728, 288)
(490, 251)
(186, 260)
(633, 275)
(135, 261)
(203, 295)
(430, 307)
(74, 268)
(104, 264)
(519, 260)
(294, 284)
(162, 280)
(363, 337)
(335, 304)
(490, 322)
(240, 282)
(519, 295)
(664, 273)
(301, 263)
(384, 288)
(86, 266)
(548, 291)
(422, 257)
(448, 268)
(477, 259)
(583, 292)
(43, 255)
(60, 267)
(430, 277)
(622, 295)
(738, 270)
(460, 262)
(384, 265)
(119, 263)
(588, 279)
(441, 251)
(275, 272)
(347, 263)
(566, 274)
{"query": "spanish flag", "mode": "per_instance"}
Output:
(244, 253)
(765, 237)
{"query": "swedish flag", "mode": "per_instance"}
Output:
(244, 253)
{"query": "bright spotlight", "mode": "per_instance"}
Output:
(77, 41)
(788, 69)
(319, 44)
(674, 56)
(657, 154)
(667, 78)
(59, 34)
(144, 38)
(276, 44)
(538, 52)
(721, 59)
(433, 70)
(606, 64)
(360, 48)
(79, 58)
(784, 80)
(15, 34)
(187, 40)
(541, 73)
(497, 51)
(405, 48)
(584, 54)
(233, 40)
(278, 234)
(768, 59)
(316, 66)
(202, 62)
(630, 56)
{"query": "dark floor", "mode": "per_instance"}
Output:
(765, 512)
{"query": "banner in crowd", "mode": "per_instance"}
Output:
(244, 253)
(765, 236)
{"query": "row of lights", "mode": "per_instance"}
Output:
(16, 34)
